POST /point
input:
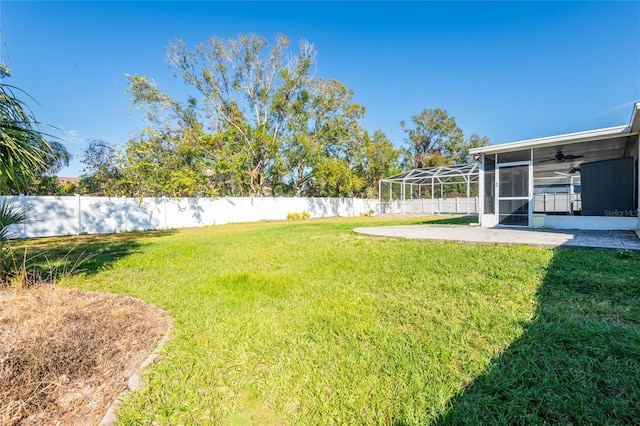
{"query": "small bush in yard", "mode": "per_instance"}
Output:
(298, 215)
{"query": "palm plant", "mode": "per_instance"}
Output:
(24, 155)
(12, 214)
(24, 152)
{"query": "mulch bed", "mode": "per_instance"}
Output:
(66, 354)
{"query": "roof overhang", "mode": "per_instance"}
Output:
(633, 128)
(634, 124)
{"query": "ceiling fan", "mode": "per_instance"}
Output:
(561, 157)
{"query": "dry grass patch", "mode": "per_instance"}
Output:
(66, 354)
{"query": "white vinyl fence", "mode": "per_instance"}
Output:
(72, 215)
(460, 205)
(557, 203)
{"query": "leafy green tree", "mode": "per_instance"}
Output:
(324, 130)
(174, 156)
(356, 165)
(474, 141)
(68, 188)
(160, 163)
(434, 139)
(249, 89)
(272, 127)
(335, 178)
(378, 159)
(104, 170)
(272, 121)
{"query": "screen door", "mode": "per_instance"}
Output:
(513, 195)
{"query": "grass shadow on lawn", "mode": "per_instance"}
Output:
(454, 220)
(578, 362)
(88, 254)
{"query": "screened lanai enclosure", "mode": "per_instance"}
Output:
(584, 180)
(433, 190)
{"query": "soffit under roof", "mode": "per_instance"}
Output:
(544, 157)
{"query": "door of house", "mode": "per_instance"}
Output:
(513, 201)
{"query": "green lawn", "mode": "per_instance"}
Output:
(307, 323)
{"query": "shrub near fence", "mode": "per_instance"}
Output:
(71, 215)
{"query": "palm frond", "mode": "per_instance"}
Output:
(11, 213)
(24, 151)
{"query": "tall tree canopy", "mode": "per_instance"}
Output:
(434, 139)
(259, 123)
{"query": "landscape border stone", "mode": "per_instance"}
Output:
(136, 382)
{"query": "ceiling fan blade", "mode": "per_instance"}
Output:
(572, 157)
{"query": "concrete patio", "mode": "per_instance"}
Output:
(607, 240)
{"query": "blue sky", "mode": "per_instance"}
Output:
(506, 70)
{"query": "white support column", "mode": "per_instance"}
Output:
(468, 195)
(480, 204)
(530, 212)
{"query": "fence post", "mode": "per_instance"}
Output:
(79, 215)
(165, 211)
